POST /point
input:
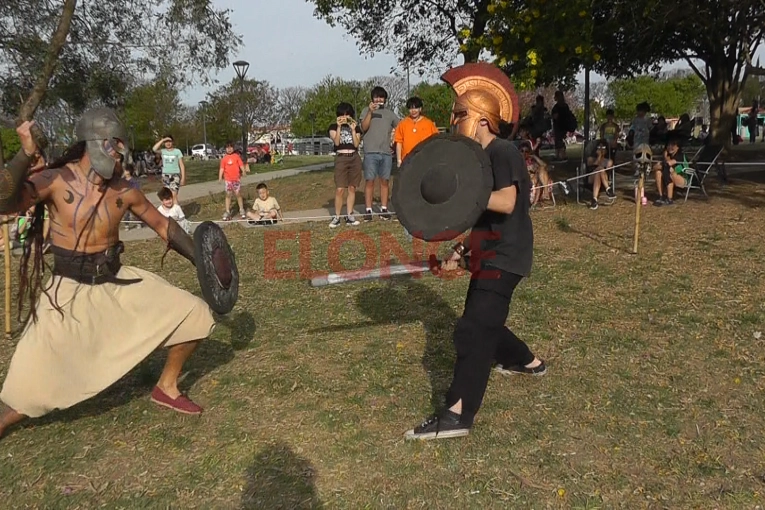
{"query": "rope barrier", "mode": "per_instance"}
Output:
(562, 183)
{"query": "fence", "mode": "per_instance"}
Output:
(313, 146)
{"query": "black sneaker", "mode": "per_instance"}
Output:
(520, 369)
(610, 193)
(439, 427)
(593, 204)
(335, 222)
(660, 202)
(351, 220)
(368, 215)
(384, 214)
(669, 201)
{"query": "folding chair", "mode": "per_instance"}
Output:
(700, 166)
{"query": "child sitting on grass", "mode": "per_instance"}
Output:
(265, 209)
(169, 209)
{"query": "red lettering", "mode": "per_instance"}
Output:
(271, 255)
(390, 249)
(306, 270)
(333, 251)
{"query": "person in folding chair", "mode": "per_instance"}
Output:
(670, 173)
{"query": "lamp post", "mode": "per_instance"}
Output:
(312, 116)
(204, 104)
(132, 136)
(241, 67)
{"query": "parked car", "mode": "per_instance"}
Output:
(199, 151)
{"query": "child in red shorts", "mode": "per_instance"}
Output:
(231, 170)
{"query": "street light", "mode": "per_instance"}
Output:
(312, 116)
(204, 104)
(241, 67)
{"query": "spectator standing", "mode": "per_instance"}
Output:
(231, 170)
(346, 136)
(173, 168)
(413, 129)
(377, 125)
(563, 122)
(610, 131)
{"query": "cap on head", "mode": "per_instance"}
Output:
(484, 92)
(99, 125)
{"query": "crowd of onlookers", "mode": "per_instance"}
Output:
(383, 136)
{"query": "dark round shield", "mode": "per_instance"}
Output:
(216, 267)
(443, 187)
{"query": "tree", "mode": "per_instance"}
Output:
(717, 39)
(753, 90)
(542, 42)
(252, 103)
(94, 46)
(437, 99)
(291, 99)
(319, 108)
(670, 97)
(425, 35)
(151, 109)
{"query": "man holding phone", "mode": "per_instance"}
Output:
(378, 124)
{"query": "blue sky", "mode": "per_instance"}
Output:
(287, 46)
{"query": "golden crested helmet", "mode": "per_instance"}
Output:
(484, 92)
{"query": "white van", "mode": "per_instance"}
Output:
(200, 152)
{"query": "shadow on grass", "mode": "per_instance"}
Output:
(566, 227)
(138, 383)
(280, 479)
(404, 301)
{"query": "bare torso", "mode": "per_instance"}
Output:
(83, 217)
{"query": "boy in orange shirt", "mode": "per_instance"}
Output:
(231, 169)
(413, 129)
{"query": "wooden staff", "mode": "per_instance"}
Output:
(7, 249)
(638, 204)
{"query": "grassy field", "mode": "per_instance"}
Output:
(315, 190)
(203, 171)
(653, 397)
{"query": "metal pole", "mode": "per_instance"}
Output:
(245, 153)
(408, 88)
(204, 128)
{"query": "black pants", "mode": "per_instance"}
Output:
(481, 338)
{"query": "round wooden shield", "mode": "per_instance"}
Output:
(443, 187)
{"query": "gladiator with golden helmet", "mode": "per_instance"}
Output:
(473, 179)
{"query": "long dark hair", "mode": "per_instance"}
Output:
(30, 283)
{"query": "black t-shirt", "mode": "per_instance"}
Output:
(506, 241)
(346, 137)
(561, 123)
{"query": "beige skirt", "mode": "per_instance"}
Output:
(106, 330)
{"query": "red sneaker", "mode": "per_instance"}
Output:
(181, 404)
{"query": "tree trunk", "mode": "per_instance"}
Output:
(724, 94)
(57, 42)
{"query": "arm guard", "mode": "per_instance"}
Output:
(12, 178)
(180, 241)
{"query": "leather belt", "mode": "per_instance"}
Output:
(90, 268)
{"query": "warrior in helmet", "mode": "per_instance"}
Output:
(501, 246)
(98, 318)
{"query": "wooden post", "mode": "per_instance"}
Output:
(638, 205)
(7, 249)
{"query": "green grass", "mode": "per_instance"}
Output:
(653, 398)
